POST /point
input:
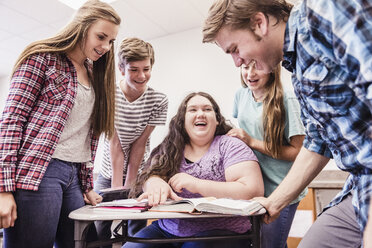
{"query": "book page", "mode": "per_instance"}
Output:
(186, 205)
(196, 201)
(124, 203)
(234, 204)
(230, 206)
(180, 207)
(192, 201)
(120, 209)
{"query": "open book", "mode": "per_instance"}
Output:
(124, 205)
(212, 205)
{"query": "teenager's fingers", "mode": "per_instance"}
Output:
(86, 200)
(163, 196)
(142, 196)
(150, 198)
(178, 188)
(14, 216)
(171, 181)
(174, 196)
(157, 197)
(99, 198)
(6, 221)
(93, 201)
(265, 219)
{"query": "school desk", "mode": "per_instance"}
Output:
(85, 216)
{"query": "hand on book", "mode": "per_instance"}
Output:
(271, 212)
(157, 191)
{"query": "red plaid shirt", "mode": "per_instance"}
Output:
(41, 96)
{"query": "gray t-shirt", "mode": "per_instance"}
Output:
(224, 152)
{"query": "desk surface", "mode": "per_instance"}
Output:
(328, 179)
(89, 213)
(85, 216)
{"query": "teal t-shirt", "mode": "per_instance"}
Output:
(249, 115)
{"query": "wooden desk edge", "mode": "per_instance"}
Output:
(88, 213)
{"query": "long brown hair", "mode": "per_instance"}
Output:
(273, 113)
(166, 158)
(103, 72)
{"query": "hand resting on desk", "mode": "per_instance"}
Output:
(92, 198)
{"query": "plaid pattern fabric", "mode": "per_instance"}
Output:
(328, 48)
(41, 96)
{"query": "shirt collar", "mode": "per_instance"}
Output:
(290, 40)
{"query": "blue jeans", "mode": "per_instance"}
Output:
(43, 215)
(104, 227)
(275, 234)
(154, 231)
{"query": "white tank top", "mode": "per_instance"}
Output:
(74, 143)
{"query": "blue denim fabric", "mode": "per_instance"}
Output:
(43, 215)
(154, 231)
(104, 227)
(275, 234)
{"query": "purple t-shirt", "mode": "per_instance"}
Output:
(223, 152)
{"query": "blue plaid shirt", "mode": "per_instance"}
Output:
(328, 48)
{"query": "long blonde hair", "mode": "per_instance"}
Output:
(103, 72)
(273, 113)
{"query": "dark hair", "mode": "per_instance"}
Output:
(165, 159)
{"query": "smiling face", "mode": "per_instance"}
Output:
(245, 48)
(255, 80)
(200, 119)
(137, 74)
(100, 37)
(261, 42)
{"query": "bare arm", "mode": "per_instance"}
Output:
(305, 168)
(136, 156)
(243, 181)
(367, 236)
(288, 152)
(117, 161)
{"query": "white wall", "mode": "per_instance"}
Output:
(4, 87)
(184, 64)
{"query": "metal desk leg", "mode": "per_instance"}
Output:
(256, 229)
(80, 233)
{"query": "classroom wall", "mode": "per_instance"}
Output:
(184, 64)
(4, 87)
